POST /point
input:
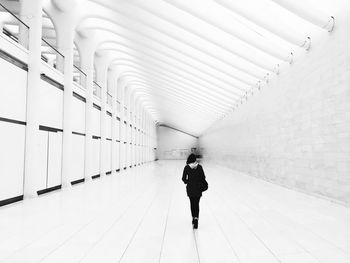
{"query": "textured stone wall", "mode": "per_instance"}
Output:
(295, 131)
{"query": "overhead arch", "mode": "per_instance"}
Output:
(183, 59)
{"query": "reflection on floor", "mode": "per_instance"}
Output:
(142, 215)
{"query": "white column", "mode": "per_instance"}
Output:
(128, 130)
(25, 14)
(147, 150)
(136, 130)
(33, 18)
(113, 84)
(143, 136)
(65, 38)
(87, 50)
(101, 74)
(133, 139)
(122, 131)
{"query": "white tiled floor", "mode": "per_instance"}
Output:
(142, 215)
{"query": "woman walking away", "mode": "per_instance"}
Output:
(194, 178)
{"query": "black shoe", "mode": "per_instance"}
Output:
(195, 223)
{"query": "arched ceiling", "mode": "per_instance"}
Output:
(198, 60)
(191, 62)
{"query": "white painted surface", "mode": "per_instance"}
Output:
(96, 122)
(51, 105)
(108, 155)
(122, 155)
(79, 89)
(109, 126)
(13, 48)
(97, 101)
(13, 91)
(172, 144)
(12, 138)
(42, 155)
(143, 215)
(78, 157)
(78, 115)
(54, 159)
(96, 157)
(51, 72)
(117, 148)
(49, 154)
(118, 130)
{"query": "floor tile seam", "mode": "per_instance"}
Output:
(196, 245)
(138, 226)
(252, 232)
(32, 241)
(113, 224)
(223, 232)
(166, 221)
(80, 229)
(322, 238)
(279, 228)
(44, 233)
(312, 232)
(250, 208)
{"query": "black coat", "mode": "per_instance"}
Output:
(193, 178)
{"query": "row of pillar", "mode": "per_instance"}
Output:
(107, 78)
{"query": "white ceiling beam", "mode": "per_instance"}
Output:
(309, 13)
(161, 79)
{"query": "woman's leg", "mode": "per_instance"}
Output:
(196, 206)
(193, 206)
(195, 214)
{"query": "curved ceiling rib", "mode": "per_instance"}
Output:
(175, 94)
(241, 33)
(167, 82)
(173, 54)
(177, 20)
(240, 70)
(181, 70)
(180, 37)
(203, 104)
(177, 63)
(263, 20)
(206, 101)
(215, 103)
(183, 105)
(172, 105)
(189, 63)
(309, 13)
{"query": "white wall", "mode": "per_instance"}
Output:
(295, 131)
(51, 103)
(172, 144)
(47, 172)
(96, 122)
(13, 92)
(78, 120)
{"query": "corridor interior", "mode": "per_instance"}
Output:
(143, 215)
(102, 101)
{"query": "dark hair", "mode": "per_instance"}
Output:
(191, 158)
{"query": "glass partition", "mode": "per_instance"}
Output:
(13, 27)
(118, 106)
(79, 76)
(51, 55)
(97, 90)
(109, 98)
